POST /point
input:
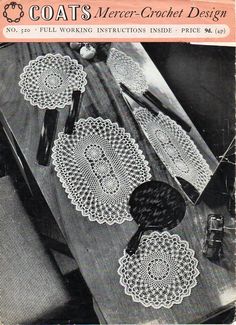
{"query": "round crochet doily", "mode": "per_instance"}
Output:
(162, 271)
(99, 166)
(49, 81)
(125, 70)
(175, 148)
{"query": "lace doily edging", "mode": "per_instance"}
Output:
(67, 189)
(114, 52)
(209, 172)
(58, 105)
(168, 306)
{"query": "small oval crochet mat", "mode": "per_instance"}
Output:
(99, 166)
(175, 148)
(49, 81)
(162, 271)
(125, 70)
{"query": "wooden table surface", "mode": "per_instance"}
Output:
(97, 248)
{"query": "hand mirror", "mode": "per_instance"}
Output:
(154, 205)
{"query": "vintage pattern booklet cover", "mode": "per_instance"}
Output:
(117, 162)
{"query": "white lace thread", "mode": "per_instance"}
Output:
(175, 148)
(162, 271)
(125, 70)
(99, 166)
(49, 81)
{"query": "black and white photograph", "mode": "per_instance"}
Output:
(117, 183)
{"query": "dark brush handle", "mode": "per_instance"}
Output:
(73, 112)
(133, 244)
(47, 136)
(134, 241)
(135, 97)
(155, 101)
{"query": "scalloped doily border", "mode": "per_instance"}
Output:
(177, 302)
(69, 102)
(64, 183)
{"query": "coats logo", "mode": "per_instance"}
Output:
(13, 12)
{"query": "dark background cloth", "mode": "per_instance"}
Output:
(202, 79)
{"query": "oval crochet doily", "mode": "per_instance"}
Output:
(125, 70)
(175, 148)
(162, 271)
(99, 166)
(49, 81)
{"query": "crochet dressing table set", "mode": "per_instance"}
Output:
(123, 178)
